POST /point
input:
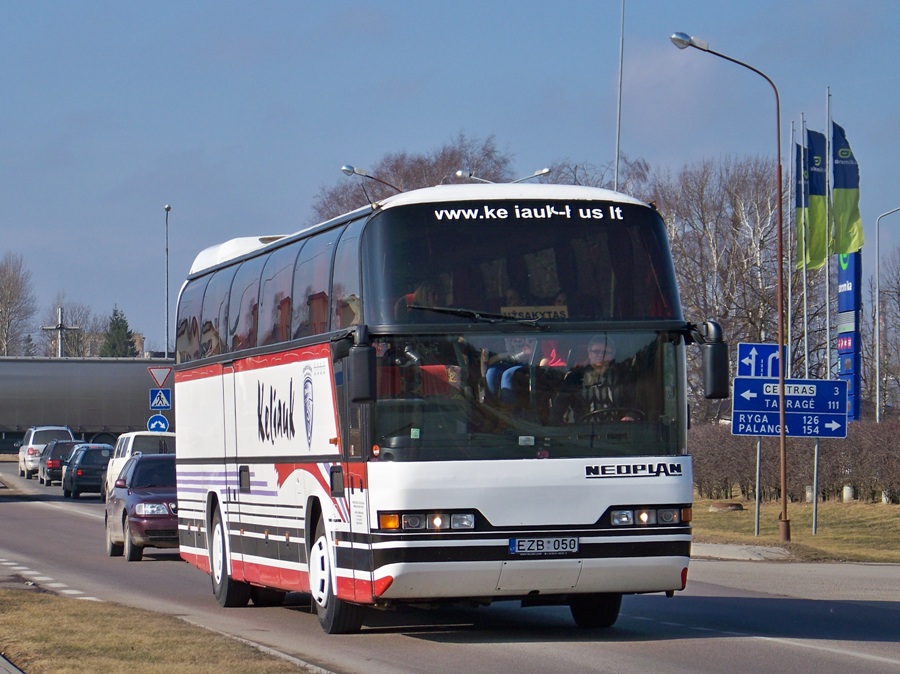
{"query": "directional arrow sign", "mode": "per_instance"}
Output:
(813, 408)
(756, 360)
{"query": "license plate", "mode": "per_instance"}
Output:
(542, 546)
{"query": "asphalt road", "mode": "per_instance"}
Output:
(736, 616)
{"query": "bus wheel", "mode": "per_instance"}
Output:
(266, 596)
(229, 592)
(593, 611)
(335, 615)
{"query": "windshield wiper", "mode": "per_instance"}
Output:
(481, 316)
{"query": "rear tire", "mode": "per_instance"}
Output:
(229, 592)
(336, 616)
(133, 553)
(112, 549)
(596, 611)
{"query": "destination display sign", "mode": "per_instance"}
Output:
(813, 408)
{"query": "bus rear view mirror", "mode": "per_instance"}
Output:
(361, 374)
(715, 370)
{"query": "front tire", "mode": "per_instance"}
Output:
(133, 553)
(336, 616)
(596, 611)
(229, 592)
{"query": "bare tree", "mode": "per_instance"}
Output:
(407, 171)
(635, 175)
(17, 305)
(722, 227)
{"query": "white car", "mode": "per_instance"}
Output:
(36, 438)
(137, 442)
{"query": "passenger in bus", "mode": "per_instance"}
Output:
(501, 370)
(598, 390)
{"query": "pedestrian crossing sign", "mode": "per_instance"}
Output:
(160, 399)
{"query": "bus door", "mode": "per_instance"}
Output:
(235, 473)
(349, 482)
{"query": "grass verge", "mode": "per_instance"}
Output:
(858, 532)
(44, 633)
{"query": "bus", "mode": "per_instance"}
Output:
(377, 410)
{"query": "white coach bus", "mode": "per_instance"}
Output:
(400, 406)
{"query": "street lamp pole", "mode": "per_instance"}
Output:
(682, 41)
(878, 314)
(168, 208)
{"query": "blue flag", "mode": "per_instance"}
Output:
(818, 232)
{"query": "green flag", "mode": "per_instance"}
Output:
(818, 233)
(848, 229)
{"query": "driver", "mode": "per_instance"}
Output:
(596, 389)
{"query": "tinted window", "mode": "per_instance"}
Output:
(312, 283)
(558, 261)
(275, 295)
(148, 444)
(45, 436)
(187, 325)
(243, 305)
(214, 314)
(95, 457)
(346, 301)
(154, 474)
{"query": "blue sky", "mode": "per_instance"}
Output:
(238, 113)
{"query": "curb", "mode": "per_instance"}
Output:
(8, 668)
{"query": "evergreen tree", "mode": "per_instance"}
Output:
(119, 340)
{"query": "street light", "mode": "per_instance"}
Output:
(168, 208)
(878, 315)
(683, 41)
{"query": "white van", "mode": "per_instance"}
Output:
(138, 442)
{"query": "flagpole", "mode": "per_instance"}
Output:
(829, 239)
(790, 255)
(804, 161)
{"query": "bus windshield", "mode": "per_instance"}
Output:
(515, 395)
(553, 261)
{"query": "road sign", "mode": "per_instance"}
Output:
(157, 423)
(160, 374)
(756, 360)
(813, 408)
(160, 399)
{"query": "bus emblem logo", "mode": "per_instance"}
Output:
(308, 404)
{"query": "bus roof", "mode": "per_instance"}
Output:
(474, 192)
(238, 247)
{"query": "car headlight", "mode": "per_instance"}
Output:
(144, 509)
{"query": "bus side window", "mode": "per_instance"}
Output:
(187, 327)
(312, 285)
(213, 317)
(345, 294)
(243, 307)
(275, 296)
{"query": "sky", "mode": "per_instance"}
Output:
(237, 114)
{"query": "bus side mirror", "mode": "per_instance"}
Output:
(714, 355)
(361, 374)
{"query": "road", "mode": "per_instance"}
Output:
(734, 617)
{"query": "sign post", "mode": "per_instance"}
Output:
(813, 408)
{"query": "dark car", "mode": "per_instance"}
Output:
(142, 509)
(52, 459)
(86, 469)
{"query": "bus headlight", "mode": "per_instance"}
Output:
(426, 521)
(649, 516)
